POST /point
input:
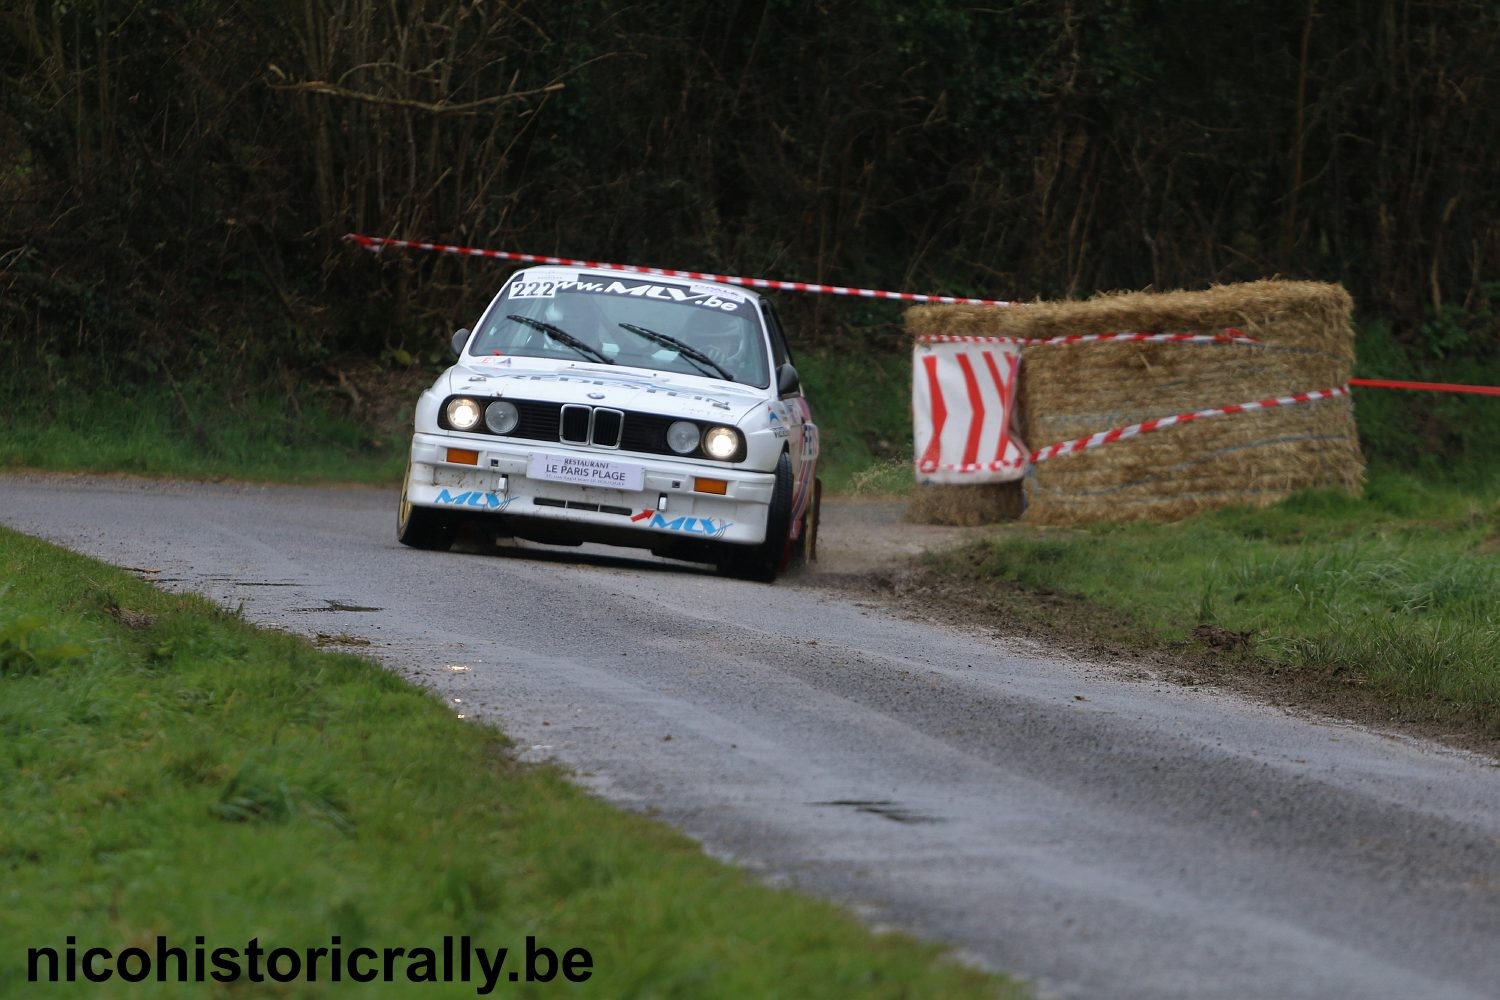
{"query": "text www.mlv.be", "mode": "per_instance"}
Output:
(456, 960)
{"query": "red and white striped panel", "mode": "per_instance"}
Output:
(963, 402)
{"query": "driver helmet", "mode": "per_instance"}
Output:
(576, 315)
(721, 337)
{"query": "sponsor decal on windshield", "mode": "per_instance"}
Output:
(732, 294)
(703, 296)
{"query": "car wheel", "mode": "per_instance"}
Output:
(762, 562)
(422, 527)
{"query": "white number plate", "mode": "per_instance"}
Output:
(586, 472)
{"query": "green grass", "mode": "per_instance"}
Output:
(1449, 437)
(208, 432)
(1398, 592)
(165, 769)
(861, 401)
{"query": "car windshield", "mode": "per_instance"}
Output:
(691, 329)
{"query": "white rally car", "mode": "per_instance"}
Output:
(638, 410)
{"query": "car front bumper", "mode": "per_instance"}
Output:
(667, 505)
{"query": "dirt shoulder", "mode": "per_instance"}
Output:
(867, 548)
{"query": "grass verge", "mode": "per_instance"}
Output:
(315, 433)
(1395, 595)
(861, 400)
(200, 432)
(166, 769)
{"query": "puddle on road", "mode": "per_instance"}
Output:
(250, 583)
(337, 606)
(884, 808)
(341, 639)
(221, 579)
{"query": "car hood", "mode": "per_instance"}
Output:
(641, 390)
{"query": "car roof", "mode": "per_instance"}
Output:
(556, 272)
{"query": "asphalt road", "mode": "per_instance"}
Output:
(1105, 837)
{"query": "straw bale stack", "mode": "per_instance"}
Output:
(966, 506)
(1069, 391)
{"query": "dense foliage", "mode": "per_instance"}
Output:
(175, 178)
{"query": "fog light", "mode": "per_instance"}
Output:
(682, 437)
(501, 416)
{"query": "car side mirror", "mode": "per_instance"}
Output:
(460, 338)
(787, 380)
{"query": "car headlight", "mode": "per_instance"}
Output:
(721, 442)
(501, 416)
(683, 437)
(462, 413)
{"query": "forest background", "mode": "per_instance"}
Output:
(175, 178)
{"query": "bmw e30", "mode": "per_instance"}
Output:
(635, 410)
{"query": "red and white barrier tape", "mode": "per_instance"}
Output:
(974, 467)
(1146, 427)
(1230, 336)
(377, 243)
(1472, 390)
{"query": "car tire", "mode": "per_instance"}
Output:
(764, 561)
(422, 527)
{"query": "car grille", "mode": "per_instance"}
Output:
(571, 423)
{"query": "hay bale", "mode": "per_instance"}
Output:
(1252, 458)
(1068, 391)
(1072, 390)
(1306, 314)
(965, 506)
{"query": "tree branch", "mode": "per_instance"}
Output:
(432, 107)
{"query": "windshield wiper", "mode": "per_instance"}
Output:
(691, 353)
(562, 336)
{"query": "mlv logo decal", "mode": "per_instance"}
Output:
(478, 499)
(708, 527)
